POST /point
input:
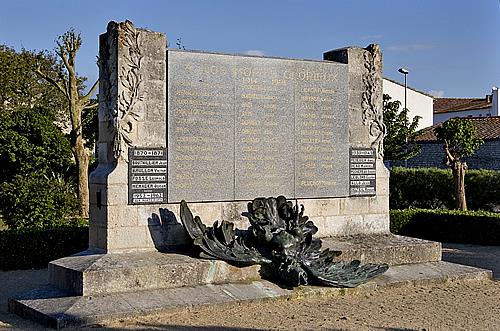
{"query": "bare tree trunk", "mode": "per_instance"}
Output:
(68, 45)
(82, 163)
(458, 171)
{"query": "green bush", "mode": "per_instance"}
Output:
(28, 249)
(468, 227)
(433, 188)
(37, 202)
(37, 174)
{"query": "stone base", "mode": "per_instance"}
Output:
(90, 287)
(54, 308)
(90, 274)
(385, 248)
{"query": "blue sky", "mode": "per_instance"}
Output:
(452, 48)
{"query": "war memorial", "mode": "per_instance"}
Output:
(189, 133)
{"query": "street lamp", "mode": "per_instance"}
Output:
(404, 71)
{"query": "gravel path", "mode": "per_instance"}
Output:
(455, 306)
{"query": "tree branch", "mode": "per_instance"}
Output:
(92, 106)
(57, 84)
(87, 96)
(449, 157)
(62, 55)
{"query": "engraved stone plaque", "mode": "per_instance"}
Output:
(264, 136)
(362, 172)
(147, 175)
(321, 130)
(241, 127)
(200, 129)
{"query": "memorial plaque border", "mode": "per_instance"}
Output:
(131, 158)
(372, 186)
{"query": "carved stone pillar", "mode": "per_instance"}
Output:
(366, 125)
(132, 107)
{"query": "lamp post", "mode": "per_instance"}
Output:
(404, 71)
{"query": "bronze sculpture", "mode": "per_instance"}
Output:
(280, 239)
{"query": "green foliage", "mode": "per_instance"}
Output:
(467, 227)
(30, 142)
(401, 133)
(38, 170)
(37, 202)
(36, 182)
(460, 137)
(29, 249)
(433, 188)
(21, 87)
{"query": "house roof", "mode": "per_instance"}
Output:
(446, 105)
(486, 128)
(410, 88)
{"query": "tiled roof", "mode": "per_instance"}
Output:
(486, 128)
(445, 105)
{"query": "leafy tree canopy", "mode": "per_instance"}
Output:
(21, 87)
(401, 132)
(460, 138)
(31, 142)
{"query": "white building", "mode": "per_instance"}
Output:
(446, 108)
(418, 103)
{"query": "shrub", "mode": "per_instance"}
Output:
(37, 170)
(433, 188)
(37, 202)
(468, 227)
(27, 249)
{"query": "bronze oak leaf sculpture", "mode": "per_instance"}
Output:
(280, 239)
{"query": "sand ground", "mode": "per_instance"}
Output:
(454, 306)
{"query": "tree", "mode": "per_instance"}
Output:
(460, 140)
(21, 87)
(36, 178)
(68, 83)
(401, 133)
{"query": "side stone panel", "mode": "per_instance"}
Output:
(132, 112)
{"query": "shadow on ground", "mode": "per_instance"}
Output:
(486, 257)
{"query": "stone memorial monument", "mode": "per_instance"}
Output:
(219, 130)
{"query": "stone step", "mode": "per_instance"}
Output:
(385, 248)
(54, 308)
(90, 274)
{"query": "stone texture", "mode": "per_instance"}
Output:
(114, 223)
(200, 127)
(385, 248)
(52, 307)
(321, 130)
(264, 135)
(89, 273)
(235, 123)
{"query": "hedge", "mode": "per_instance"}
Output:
(467, 227)
(27, 249)
(432, 188)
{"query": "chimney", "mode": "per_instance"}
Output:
(494, 100)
